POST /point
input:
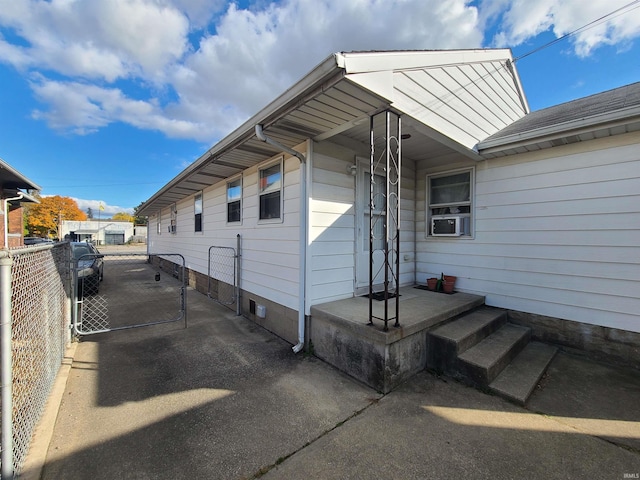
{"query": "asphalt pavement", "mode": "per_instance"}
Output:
(226, 399)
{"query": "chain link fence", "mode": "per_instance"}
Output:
(222, 275)
(40, 314)
(129, 291)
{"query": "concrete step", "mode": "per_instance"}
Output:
(482, 363)
(446, 342)
(518, 380)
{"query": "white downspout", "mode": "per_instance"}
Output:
(302, 287)
(5, 214)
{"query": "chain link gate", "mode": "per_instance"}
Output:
(223, 276)
(128, 291)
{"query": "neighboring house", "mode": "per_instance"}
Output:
(100, 232)
(538, 212)
(15, 190)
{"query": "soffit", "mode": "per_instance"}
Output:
(323, 113)
(11, 179)
(332, 102)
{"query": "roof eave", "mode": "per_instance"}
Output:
(323, 72)
(18, 180)
(550, 132)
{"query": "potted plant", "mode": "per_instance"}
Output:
(432, 283)
(448, 283)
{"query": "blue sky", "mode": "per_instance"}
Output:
(108, 100)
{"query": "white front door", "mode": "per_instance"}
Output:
(363, 215)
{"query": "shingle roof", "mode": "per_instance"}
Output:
(580, 109)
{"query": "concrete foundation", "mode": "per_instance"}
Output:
(338, 333)
(278, 319)
(341, 336)
(600, 343)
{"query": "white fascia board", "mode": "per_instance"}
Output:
(572, 127)
(366, 62)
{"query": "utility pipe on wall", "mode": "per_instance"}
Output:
(303, 233)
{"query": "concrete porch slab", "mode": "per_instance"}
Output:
(340, 334)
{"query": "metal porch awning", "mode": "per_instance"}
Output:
(323, 104)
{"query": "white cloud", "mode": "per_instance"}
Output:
(107, 212)
(200, 12)
(255, 55)
(522, 20)
(83, 108)
(101, 39)
(198, 68)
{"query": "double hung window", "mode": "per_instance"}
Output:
(197, 211)
(270, 192)
(174, 219)
(450, 199)
(234, 201)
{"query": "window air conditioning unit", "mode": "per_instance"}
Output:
(446, 226)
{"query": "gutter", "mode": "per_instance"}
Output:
(325, 74)
(550, 132)
(304, 220)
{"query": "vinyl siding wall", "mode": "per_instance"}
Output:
(557, 233)
(333, 225)
(270, 259)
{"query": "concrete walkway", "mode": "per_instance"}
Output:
(225, 399)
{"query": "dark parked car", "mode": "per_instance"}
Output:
(36, 240)
(89, 266)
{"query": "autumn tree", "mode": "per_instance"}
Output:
(139, 220)
(46, 216)
(123, 217)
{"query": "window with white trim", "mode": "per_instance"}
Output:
(197, 212)
(270, 191)
(174, 219)
(234, 201)
(450, 203)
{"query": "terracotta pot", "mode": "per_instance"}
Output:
(432, 283)
(449, 283)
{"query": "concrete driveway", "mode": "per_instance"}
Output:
(225, 399)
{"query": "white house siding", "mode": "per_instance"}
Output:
(333, 225)
(557, 233)
(270, 253)
(408, 223)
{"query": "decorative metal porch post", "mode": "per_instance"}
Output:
(384, 218)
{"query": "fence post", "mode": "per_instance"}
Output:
(6, 379)
(237, 275)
